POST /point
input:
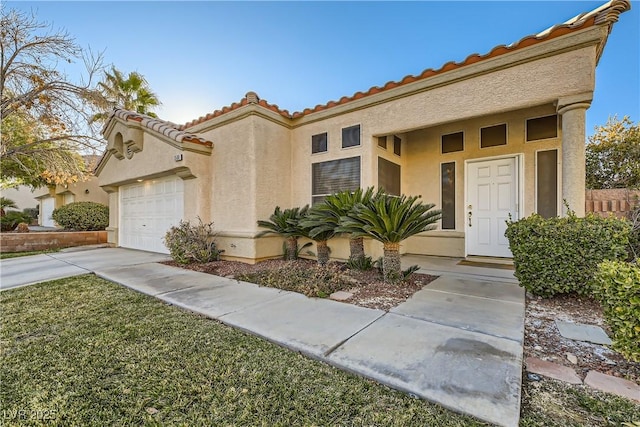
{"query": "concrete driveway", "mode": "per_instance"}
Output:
(21, 271)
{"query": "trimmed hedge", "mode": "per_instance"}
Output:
(561, 255)
(618, 288)
(82, 216)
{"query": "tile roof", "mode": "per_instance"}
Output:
(168, 129)
(606, 14)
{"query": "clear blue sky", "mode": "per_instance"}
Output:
(201, 56)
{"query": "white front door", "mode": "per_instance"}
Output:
(48, 205)
(492, 195)
(147, 210)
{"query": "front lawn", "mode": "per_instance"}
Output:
(83, 351)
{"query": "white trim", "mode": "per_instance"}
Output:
(342, 147)
(451, 133)
(506, 125)
(520, 188)
(526, 141)
(455, 194)
(558, 180)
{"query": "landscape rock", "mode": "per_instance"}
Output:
(572, 358)
(552, 370)
(613, 385)
(340, 296)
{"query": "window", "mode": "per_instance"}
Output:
(493, 136)
(547, 185)
(351, 136)
(319, 143)
(382, 142)
(397, 145)
(542, 128)
(452, 142)
(389, 176)
(448, 187)
(333, 176)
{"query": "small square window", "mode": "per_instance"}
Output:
(382, 142)
(397, 145)
(351, 136)
(542, 128)
(319, 143)
(493, 136)
(452, 142)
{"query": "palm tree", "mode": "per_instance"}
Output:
(390, 220)
(131, 93)
(339, 205)
(287, 224)
(6, 203)
(318, 227)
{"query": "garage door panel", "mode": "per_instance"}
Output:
(148, 210)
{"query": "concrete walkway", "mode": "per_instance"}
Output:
(457, 342)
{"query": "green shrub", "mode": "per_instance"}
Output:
(363, 263)
(31, 212)
(82, 216)
(192, 243)
(617, 285)
(560, 255)
(11, 219)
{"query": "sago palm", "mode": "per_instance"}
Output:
(390, 220)
(339, 205)
(317, 226)
(286, 223)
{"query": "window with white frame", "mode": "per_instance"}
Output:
(351, 136)
(319, 143)
(333, 176)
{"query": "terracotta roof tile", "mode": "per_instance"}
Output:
(168, 129)
(607, 13)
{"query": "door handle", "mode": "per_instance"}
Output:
(469, 217)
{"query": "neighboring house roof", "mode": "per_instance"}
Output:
(607, 14)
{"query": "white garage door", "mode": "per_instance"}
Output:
(147, 210)
(48, 204)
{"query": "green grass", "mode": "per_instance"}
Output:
(7, 255)
(551, 403)
(87, 352)
(83, 351)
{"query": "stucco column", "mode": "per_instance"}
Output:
(573, 156)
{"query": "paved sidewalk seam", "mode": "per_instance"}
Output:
(461, 328)
(471, 296)
(338, 345)
(472, 276)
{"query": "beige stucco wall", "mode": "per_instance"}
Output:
(22, 195)
(155, 160)
(250, 175)
(261, 160)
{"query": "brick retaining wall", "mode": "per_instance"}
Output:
(39, 241)
(618, 202)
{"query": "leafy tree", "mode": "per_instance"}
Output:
(390, 220)
(613, 155)
(287, 224)
(44, 113)
(131, 93)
